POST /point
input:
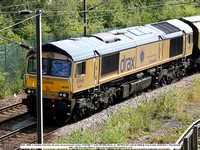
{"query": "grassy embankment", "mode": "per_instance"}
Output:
(162, 119)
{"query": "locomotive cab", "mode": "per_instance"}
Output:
(56, 85)
(66, 79)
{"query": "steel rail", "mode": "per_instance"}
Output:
(46, 135)
(13, 132)
(10, 106)
(20, 115)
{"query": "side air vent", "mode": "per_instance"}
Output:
(166, 27)
(110, 63)
(176, 46)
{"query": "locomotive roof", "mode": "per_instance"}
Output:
(194, 19)
(80, 49)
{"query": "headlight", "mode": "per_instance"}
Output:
(62, 94)
(30, 91)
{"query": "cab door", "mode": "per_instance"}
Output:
(85, 75)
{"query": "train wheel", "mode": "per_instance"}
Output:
(163, 81)
(90, 112)
(110, 100)
(75, 116)
(105, 104)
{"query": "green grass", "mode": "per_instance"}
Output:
(128, 124)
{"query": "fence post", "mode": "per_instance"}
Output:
(195, 137)
(186, 143)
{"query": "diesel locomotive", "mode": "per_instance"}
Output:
(84, 74)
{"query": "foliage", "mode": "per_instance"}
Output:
(9, 33)
(169, 138)
(129, 123)
(8, 88)
(67, 20)
(4, 89)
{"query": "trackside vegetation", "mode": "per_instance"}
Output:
(63, 19)
(7, 88)
(162, 119)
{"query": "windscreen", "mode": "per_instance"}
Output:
(52, 67)
(60, 68)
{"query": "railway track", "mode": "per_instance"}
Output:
(10, 107)
(15, 124)
(46, 136)
(24, 135)
(12, 111)
(14, 117)
(13, 129)
(16, 131)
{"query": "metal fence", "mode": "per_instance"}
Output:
(13, 57)
(189, 139)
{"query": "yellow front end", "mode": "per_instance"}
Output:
(57, 88)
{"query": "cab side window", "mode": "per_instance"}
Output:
(80, 69)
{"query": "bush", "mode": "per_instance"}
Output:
(4, 86)
(8, 88)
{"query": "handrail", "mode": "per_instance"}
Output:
(189, 139)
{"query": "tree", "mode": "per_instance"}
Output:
(8, 33)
